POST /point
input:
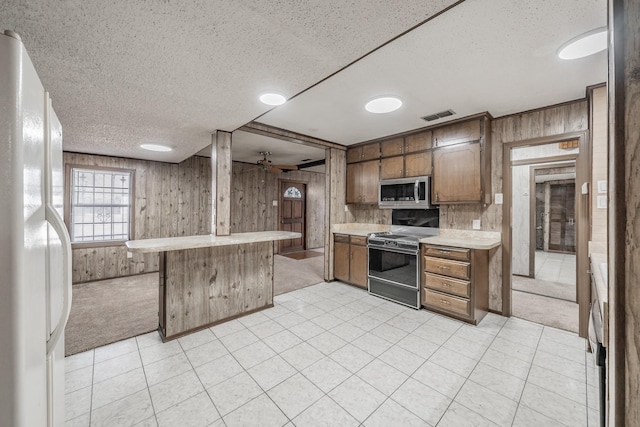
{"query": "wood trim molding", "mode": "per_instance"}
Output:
(286, 135)
(583, 163)
(534, 110)
(549, 159)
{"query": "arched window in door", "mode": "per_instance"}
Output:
(292, 193)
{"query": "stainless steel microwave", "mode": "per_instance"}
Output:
(405, 193)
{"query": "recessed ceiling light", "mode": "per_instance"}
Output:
(585, 44)
(272, 99)
(155, 147)
(385, 104)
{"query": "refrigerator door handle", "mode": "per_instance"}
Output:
(53, 217)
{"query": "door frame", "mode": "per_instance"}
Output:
(280, 201)
(532, 208)
(583, 174)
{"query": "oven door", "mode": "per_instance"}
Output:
(396, 266)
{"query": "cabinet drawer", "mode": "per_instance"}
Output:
(447, 252)
(447, 284)
(341, 238)
(446, 267)
(359, 240)
(449, 303)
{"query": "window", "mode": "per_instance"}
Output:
(101, 204)
(292, 192)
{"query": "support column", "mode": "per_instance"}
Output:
(221, 183)
(335, 190)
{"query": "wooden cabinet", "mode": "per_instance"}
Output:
(455, 281)
(456, 174)
(462, 162)
(392, 147)
(415, 164)
(362, 182)
(350, 259)
(363, 152)
(418, 142)
(457, 133)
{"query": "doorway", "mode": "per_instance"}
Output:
(545, 220)
(293, 214)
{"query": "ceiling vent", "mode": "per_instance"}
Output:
(440, 115)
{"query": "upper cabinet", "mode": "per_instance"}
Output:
(362, 182)
(462, 162)
(363, 153)
(457, 133)
(456, 155)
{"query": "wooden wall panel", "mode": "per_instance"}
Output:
(335, 179)
(599, 144)
(163, 207)
(253, 191)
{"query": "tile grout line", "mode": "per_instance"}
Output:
(146, 381)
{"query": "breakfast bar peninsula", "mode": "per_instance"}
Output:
(208, 279)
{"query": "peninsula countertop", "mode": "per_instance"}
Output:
(205, 241)
(469, 239)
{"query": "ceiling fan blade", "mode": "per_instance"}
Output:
(291, 167)
(274, 169)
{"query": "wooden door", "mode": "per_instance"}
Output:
(369, 181)
(358, 265)
(392, 167)
(539, 216)
(341, 258)
(562, 227)
(353, 182)
(417, 164)
(456, 174)
(292, 214)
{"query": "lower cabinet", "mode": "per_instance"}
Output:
(455, 282)
(350, 259)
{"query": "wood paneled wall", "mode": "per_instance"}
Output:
(599, 169)
(170, 200)
(253, 191)
(336, 195)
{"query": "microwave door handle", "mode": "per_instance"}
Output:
(415, 191)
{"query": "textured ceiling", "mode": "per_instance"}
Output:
(497, 56)
(122, 72)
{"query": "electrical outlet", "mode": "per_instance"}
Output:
(129, 254)
(476, 224)
(275, 203)
(499, 199)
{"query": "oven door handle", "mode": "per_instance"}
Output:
(416, 186)
(391, 249)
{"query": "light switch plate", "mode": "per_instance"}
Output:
(275, 203)
(499, 199)
(129, 254)
(601, 202)
(585, 188)
(346, 208)
(476, 224)
(602, 187)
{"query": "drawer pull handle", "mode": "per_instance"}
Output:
(446, 284)
(444, 301)
(444, 252)
(444, 267)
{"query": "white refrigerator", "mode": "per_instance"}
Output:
(35, 250)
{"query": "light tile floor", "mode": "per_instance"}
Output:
(332, 355)
(556, 267)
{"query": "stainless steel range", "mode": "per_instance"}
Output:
(394, 256)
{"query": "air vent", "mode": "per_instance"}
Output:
(440, 115)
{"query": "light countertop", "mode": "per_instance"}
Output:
(205, 241)
(357, 229)
(469, 239)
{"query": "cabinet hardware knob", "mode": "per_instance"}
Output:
(446, 284)
(444, 302)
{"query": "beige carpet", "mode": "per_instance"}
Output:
(563, 291)
(291, 274)
(111, 310)
(544, 310)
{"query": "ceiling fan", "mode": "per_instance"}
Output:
(268, 166)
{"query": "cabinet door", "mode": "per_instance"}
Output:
(341, 261)
(417, 164)
(354, 154)
(456, 174)
(418, 142)
(392, 147)
(457, 133)
(369, 181)
(353, 183)
(371, 151)
(392, 167)
(359, 266)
